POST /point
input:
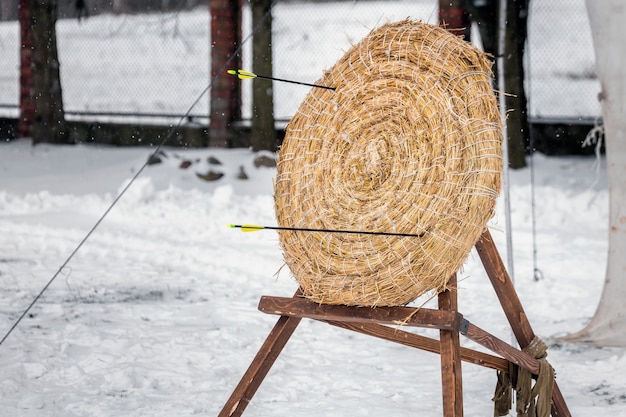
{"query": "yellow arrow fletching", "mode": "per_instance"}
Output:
(242, 74)
(245, 74)
(246, 227)
(251, 228)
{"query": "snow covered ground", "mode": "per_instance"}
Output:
(156, 314)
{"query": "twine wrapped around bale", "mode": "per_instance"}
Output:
(409, 142)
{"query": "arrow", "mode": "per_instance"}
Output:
(245, 75)
(255, 228)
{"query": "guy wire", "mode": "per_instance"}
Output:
(134, 177)
(537, 274)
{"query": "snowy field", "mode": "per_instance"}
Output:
(156, 314)
(160, 63)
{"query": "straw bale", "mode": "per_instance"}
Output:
(409, 142)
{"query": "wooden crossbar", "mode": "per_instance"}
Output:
(422, 342)
(422, 317)
(303, 308)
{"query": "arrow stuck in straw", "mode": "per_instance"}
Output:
(244, 75)
(255, 228)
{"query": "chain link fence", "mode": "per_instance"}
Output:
(152, 65)
(140, 67)
(561, 80)
(131, 67)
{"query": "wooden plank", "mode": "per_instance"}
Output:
(422, 342)
(500, 347)
(512, 307)
(501, 282)
(418, 317)
(451, 374)
(260, 366)
(559, 406)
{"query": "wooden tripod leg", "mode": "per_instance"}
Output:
(505, 290)
(512, 307)
(260, 366)
(451, 381)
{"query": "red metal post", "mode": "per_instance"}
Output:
(225, 95)
(455, 18)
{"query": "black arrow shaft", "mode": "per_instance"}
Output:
(295, 82)
(306, 229)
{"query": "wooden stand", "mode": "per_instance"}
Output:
(375, 321)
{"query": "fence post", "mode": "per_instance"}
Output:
(263, 131)
(454, 17)
(225, 95)
(27, 106)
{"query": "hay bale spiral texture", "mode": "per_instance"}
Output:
(409, 142)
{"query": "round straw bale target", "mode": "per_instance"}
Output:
(409, 142)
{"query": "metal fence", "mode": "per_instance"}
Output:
(153, 65)
(561, 80)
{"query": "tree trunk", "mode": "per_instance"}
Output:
(27, 108)
(263, 130)
(516, 103)
(485, 15)
(608, 325)
(49, 119)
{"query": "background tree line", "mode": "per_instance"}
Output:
(69, 8)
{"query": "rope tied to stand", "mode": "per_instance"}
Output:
(532, 400)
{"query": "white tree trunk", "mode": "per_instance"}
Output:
(608, 18)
